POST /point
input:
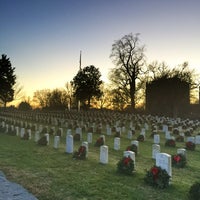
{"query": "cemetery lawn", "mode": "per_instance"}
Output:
(51, 174)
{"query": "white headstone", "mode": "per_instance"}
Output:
(22, 132)
(181, 151)
(37, 136)
(56, 141)
(191, 139)
(155, 150)
(89, 138)
(85, 144)
(17, 130)
(69, 144)
(156, 138)
(79, 131)
(40, 128)
(104, 139)
(182, 134)
(146, 126)
(117, 143)
(104, 154)
(197, 139)
(142, 132)
(108, 130)
(163, 160)
(29, 134)
(165, 128)
(69, 132)
(167, 135)
(130, 135)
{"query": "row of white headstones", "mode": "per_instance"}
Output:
(162, 159)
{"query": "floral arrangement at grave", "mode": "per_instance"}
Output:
(179, 160)
(140, 138)
(51, 131)
(175, 131)
(138, 126)
(58, 133)
(99, 142)
(99, 130)
(117, 134)
(179, 138)
(153, 133)
(81, 153)
(133, 148)
(188, 133)
(190, 145)
(33, 128)
(44, 130)
(194, 192)
(157, 177)
(77, 137)
(126, 166)
(170, 143)
(42, 141)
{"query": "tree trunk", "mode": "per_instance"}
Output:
(132, 95)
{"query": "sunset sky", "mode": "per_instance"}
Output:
(43, 38)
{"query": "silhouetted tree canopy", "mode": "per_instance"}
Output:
(169, 93)
(128, 56)
(52, 100)
(25, 106)
(7, 80)
(87, 84)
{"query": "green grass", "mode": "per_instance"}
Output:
(51, 174)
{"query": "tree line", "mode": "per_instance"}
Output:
(126, 90)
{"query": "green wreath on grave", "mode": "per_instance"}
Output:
(99, 142)
(81, 153)
(179, 138)
(126, 166)
(194, 191)
(157, 177)
(179, 160)
(117, 134)
(140, 138)
(133, 148)
(42, 141)
(170, 143)
(77, 137)
(190, 146)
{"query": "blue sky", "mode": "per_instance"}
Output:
(43, 38)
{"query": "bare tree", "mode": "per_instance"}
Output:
(128, 56)
(69, 92)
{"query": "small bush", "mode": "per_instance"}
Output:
(194, 192)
